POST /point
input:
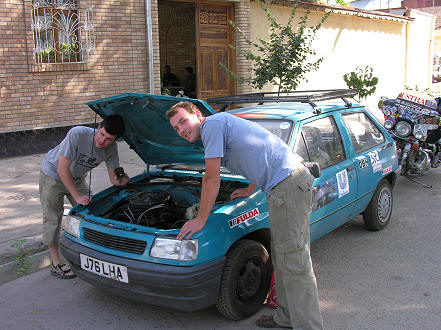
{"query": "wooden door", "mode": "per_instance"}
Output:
(214, 35)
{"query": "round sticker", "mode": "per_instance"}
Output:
(284, 125)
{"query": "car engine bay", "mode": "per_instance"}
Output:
(165, 206)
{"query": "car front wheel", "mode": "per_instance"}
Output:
(378, 213)
(245, 280)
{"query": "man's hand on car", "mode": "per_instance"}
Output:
(82, 199)
(243, 192)
(190, 227)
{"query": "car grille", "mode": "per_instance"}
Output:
(115, 242)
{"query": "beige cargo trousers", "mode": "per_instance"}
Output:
(289, 206)
(52, 194)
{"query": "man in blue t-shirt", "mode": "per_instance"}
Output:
(247, 149)
(63, 173)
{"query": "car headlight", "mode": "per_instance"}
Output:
(169, 248)
(403, 129)
(388, 124)
(72, 226)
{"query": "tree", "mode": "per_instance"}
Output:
(286, 58)
(363, 80)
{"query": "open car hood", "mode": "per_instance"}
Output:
(148, 131)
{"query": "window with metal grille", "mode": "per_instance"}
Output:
(62, 31)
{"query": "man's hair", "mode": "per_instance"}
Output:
(114, 125)
(191, 108)
(189, 69)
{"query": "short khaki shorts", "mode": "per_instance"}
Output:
(52, 194)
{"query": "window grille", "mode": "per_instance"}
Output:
(62, 31)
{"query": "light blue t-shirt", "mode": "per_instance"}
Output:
(77, 146)
(248, 149)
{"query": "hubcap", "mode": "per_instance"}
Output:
(249, 280)
(384, 205)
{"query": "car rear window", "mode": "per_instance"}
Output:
(362, 131)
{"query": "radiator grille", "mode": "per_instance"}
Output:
(115, 242)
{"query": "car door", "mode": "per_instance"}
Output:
(372, 154)
(319, 140)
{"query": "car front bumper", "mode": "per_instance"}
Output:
(184, 288)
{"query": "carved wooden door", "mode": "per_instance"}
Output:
(214, 35)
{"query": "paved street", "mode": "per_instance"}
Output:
(367, 280)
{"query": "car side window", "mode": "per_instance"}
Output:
(321, 142)
(362, 131)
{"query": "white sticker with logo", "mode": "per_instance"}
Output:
(284, 125)
(343, 183)
(375, 161)
(387, 170)
(243, 217)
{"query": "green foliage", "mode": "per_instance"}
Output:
(363, 80)
(21, 261)
(285, 59)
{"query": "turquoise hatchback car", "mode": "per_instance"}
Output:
(125, 240)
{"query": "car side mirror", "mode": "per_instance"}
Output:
(314, 168)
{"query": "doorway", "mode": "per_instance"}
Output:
(195, 37)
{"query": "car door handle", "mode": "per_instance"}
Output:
(350, 168)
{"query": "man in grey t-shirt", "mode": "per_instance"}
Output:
(63, 173)
(267, 162)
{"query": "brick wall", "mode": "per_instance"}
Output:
(33, 99)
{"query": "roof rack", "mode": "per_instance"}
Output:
(310, 97)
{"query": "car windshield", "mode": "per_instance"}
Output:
(280, 127)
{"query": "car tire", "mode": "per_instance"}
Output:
(245, 280)
(378, 213)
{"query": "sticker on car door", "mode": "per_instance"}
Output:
(375, 161)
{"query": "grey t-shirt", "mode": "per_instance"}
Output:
(248, 149)
(77, 146)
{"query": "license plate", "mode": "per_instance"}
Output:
(104, 268)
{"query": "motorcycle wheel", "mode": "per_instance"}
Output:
(378, 213)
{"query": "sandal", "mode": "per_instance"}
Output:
(61, 272)
(267, 321)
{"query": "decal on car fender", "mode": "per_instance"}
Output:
(375, 161)
(363, 163)
(343, 183)
(387, 170)
(243, 217)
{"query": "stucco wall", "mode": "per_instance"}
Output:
(421, 38)
(347, 41)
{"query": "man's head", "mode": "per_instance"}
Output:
(186, 120)
(167, 68)
(111, 128)
(189, 71)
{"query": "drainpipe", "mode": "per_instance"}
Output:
(431, 47)
(149, 35)
(406, 60)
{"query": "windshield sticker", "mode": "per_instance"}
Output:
(284, 125)
(343, 183)
(375, 161)
(243, 217)
(363, 163)
(387, 170)
(324, 193)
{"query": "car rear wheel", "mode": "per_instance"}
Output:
(378, 213)
(245, 280)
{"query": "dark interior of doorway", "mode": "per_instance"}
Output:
(177, 42)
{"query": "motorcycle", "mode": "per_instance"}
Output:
(414, 120)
